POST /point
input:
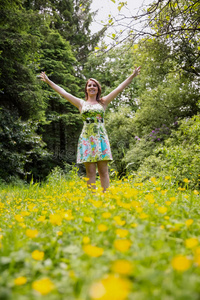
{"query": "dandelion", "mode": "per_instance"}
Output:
(102, 227)
(37, 255)
(122, 245)
(191, 243)
(181, 263)
(43, 286)
(93, 251)
(20, 280)
(110, 287)
(32, 233)
(122, 267)
(167, 177)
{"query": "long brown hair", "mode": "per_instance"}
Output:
(99, 89)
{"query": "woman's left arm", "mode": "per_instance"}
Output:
(107, 99)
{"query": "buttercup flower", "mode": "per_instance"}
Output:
(32, 233)
(110, 288)
(43, 286)
(20, 280)
(102, 227)
(122, 245)
(181, 263)
(37, 255)
(122, 266)
(189, 222)
(191, 243)
(93, 251)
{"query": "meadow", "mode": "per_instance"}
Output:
(137, 241)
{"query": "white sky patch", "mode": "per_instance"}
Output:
(107, 7)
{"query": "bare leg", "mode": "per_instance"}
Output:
(91, 174)
(103, 173)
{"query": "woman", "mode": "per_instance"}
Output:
(93, 144)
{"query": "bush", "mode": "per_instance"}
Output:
(179, 157)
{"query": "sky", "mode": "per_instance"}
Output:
(106, 7)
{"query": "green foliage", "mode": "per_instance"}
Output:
(179, 156)
(22, 152)
(19, 90)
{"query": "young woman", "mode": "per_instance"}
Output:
(93, 145)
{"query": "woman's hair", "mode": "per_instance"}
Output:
(99, 89)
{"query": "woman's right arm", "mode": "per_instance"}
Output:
(72, 99)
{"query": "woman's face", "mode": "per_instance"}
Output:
(92, 88)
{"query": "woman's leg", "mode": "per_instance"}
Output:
(91, 174)
(103, 173)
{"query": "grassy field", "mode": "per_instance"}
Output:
(137, 241)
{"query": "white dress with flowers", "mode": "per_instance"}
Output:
(93, 143)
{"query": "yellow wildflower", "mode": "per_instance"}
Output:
(19, 218)
(41, 219)
(93, 251)
(102, 227)
(106, 215)
(20, 280)
(87, 219)
(122, 267)
(119, 221)
(122, 245)
(59, 233)
(55, 219)
(43, 286)
(191, 243)
(172, 199)
(86, 240)
(186, 180)
(122, 232)
(181, 263)
(189, 222)
(32, 233)
(110, 287)
(162, 209)
(37, 255)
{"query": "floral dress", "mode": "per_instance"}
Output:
(93, 143)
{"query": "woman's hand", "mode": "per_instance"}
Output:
(44, 77)
(136, 72)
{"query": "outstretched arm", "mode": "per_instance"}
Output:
(107, 99)
(72, 99)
